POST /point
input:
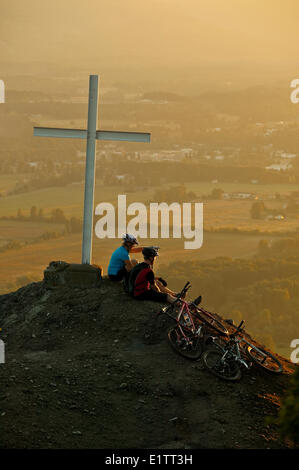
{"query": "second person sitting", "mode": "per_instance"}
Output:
(144, 285)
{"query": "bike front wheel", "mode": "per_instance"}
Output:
(226, 370)
(264, 359)
(190, 348)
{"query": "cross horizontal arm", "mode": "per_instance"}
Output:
(65, 133)
(100, 135)
(124, 136)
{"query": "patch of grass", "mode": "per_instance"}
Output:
(8, 182)
(25, 231)
(69, 198)
(206, 188)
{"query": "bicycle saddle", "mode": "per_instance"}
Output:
(197, 300)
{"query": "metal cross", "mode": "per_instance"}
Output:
(91, 135)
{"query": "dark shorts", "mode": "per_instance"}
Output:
(152, 294)
(119, 276)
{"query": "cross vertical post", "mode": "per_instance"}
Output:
(90, 169)
(91, 135)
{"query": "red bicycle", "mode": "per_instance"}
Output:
(192, 322)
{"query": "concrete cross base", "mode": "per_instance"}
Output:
(60, 273)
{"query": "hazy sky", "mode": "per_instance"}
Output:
(148, 32)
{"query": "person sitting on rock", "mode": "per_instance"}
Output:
(120, 263)
(143, 285)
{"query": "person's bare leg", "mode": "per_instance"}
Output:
(171, 299)
(168, 291)
(159, 284)
(163, 288)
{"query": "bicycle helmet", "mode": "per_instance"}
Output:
(127, 238)
(150, 251)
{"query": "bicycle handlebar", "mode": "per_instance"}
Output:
(186, 287)
(238, 329)
(184, 290)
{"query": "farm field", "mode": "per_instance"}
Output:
(7, 182)
(31, 260)
(69, 198)
(236, 213)
(259, 189)
(25, 231)
(217, 213)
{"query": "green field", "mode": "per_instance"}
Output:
(259, 189)
(32, 259)
(8, 182)
(217, 213)
(69, 198)
(25, 231)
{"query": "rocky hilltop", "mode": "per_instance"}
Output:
(81, 372)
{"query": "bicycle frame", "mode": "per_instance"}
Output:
(234, 350)
(184, 308)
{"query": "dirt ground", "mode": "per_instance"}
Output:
(80, 373)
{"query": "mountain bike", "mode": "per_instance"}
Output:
(192, 323)
(226, 360)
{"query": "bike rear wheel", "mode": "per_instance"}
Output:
(209, 320)
(192, 351)
(265, 360)
(226, 370)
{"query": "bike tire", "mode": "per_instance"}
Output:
(230, 372)
(269, 363)
(174, 335)
(209, 320)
